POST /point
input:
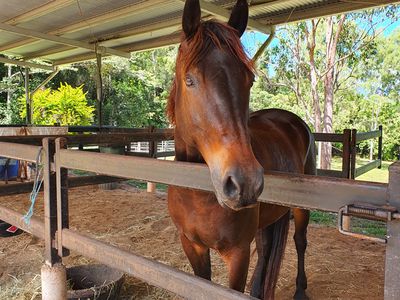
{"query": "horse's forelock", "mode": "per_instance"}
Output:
(212, 34)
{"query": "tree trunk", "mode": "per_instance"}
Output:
(314, 76)
(332, 39)
(311, 42)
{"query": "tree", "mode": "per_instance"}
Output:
(64, 106)
(316, 59)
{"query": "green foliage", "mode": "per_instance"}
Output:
(64, 106)
(367, 84)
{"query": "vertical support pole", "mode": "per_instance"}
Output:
(54, 283)
(392, 265)
(380, 141)
(346, 153)
(62, 197)
(9, 93)
(353, 155)
(27, 98)
(99, 86)
(151, 186)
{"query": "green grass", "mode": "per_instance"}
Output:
(368, 227)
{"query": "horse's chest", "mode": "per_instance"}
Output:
(202, 220)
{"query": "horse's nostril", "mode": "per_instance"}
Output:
(260, 187)
(231, 188)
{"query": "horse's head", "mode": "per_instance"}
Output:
(209, 103)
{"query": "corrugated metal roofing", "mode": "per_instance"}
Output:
(131, 25)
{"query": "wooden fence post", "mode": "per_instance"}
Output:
(353, 156)
(346, 160)
(54, 283)
(349, 163)
(392, 265)
(380, 142)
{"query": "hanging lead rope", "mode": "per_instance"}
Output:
(36, 186)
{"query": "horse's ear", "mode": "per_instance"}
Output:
(191, 17)
(239, 16)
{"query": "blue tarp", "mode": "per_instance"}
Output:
(11, 170)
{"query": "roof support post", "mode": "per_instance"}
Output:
(99, 88)
(264, 45)
(392, 266)
(44, 82)
(28, 99)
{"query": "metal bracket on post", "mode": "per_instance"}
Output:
(392, 264)
(386, 213)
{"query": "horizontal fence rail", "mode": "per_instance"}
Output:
(303, 191)
(21, 152)
(92, 139)
(35, 226)
(368, 167)
(362, 136)
(26, 187)
(153, 272)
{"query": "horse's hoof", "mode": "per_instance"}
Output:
(300, 295)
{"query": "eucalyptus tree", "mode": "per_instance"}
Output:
(316, 59)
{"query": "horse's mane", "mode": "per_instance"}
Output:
(209, 35)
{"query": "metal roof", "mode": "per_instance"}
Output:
(64, 31)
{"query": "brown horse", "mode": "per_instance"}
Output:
(209, 106)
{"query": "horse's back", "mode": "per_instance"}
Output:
(281, 140)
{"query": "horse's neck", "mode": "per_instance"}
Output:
(184, 152)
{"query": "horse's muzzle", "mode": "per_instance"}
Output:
(241, 189)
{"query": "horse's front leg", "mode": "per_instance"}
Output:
(199, 257)
(301, 218)
(237, 261)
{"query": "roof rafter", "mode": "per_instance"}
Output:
(40, 11)
(61, 40)
(137, 46)
(334, 8)
(172, 24)
(25, 64)
(129, 10)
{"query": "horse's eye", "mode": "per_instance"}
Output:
(189, 81)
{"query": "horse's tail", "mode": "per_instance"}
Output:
(271, 243)
(280, 231)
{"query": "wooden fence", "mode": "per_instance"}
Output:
(309, 192)
(349, 140)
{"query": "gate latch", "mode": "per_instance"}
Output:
(365, 211)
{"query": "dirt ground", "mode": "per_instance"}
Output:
(338, 267)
